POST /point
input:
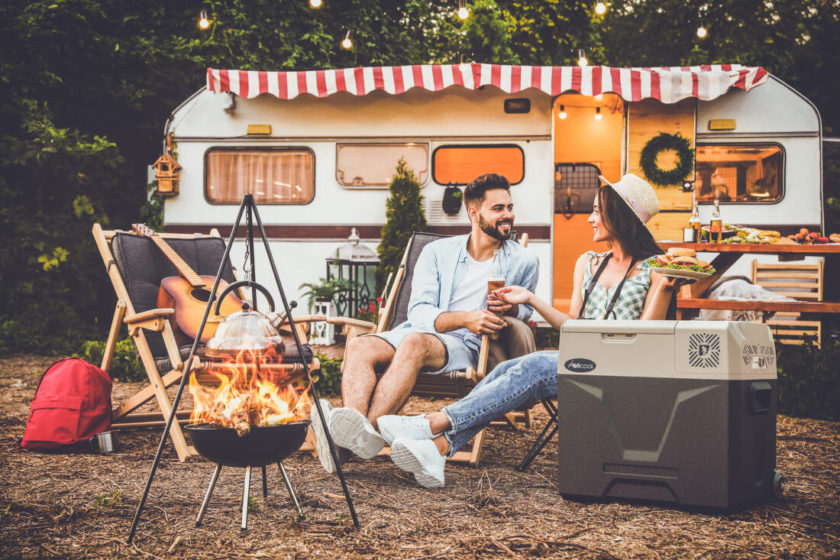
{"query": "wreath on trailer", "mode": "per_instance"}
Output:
(657, 144)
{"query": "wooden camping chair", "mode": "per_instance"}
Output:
(798, 281)
(136, 267)
(454, 384)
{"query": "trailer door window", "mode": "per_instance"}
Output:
(462, 164)
(372, 165)
(273, 176)
(739, 173)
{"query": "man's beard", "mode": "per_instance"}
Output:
(493, 229)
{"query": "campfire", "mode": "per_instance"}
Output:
(254, 388)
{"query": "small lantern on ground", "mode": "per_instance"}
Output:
(355, 262)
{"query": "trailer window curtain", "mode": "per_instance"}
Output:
(462, 164)
(739, 173)
(370, 165)
(273, 176)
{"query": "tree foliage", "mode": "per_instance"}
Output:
(404, 215)
(86, 85)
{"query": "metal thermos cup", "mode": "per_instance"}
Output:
(102, 442)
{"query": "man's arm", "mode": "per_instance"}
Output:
(482, 321)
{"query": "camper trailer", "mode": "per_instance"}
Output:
(317, 149)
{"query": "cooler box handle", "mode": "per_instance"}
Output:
(761, 394)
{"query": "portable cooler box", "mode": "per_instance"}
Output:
(671, 411)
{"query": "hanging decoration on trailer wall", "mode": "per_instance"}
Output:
(662, 142)
(452, 199)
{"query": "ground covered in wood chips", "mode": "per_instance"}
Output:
(81, 505)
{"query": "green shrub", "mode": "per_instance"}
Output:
(125, 365)
(328, 380)
(809, 380)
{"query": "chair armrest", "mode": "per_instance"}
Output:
(153, 320)
(350, 322)
(161, 313)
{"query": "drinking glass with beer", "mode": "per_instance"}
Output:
(495, 281)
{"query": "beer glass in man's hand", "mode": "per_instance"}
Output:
(495, 282)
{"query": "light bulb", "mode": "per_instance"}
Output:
(598, 115)
(203, 22)
(582, 58)
(600, 8)
(599, 97)
(315, 3)
(347, 43)
(463, 12)
(701, 32)
(562, 114)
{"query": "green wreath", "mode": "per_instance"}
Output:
(665, 141)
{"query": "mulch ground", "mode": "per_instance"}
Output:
(81, 505)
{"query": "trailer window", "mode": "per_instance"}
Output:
(273, 176)
(462, 164)
(739, 173)
(371, 165)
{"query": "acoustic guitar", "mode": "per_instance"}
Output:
(188, 293)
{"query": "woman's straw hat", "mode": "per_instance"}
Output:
(638, 194)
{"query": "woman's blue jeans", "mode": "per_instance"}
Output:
(510, 385)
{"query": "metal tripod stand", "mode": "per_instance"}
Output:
(249, 208)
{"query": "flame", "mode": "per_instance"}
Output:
(252, 389)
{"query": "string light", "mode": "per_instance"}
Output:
(315, 3)
(702, 32)
(347, 43)
(600, 8)
(463, 12)
(562, 114)
(582, 58)
(598, 115)
(599, 97)
(203, 21)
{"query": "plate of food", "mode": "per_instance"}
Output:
(680, 262)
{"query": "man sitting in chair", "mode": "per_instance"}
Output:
(447, 313)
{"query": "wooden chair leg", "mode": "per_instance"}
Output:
(159, 387)
(113, 333)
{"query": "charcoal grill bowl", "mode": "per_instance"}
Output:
(261, 446)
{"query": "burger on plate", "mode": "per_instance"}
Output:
(679, 258)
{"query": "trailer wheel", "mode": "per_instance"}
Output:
(778, 483)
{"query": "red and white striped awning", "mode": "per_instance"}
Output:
(667, 84)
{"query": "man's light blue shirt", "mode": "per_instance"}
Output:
(442, 265)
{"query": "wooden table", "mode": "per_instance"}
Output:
(691, 295)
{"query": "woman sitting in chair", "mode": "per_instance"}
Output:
(614, 285)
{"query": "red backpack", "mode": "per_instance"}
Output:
(72, 403)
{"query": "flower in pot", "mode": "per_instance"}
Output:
(452, 199)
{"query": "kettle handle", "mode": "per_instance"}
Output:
(246, 284)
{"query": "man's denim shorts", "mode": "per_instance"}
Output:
(459, 356)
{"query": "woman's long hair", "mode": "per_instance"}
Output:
(635, 239)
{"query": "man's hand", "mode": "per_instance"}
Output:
(484, 322)
(498, 305)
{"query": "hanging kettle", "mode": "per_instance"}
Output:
(248, 330)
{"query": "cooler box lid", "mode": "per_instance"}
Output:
(721, 350)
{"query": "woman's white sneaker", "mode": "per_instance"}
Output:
(405, 427)
(421, 458)
(351, 430)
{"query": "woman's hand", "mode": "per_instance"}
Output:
(512, 295)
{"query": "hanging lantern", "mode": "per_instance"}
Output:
(167, 170)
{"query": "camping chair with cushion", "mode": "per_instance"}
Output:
(517, 339)
(136, 268)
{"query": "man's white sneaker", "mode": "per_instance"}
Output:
(405, 427)
(350, 429)
(322, 446)
(421, 458)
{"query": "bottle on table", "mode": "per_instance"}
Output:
(694, 222)
(716, 224)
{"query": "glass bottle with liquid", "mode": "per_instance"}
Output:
(716, 224)
(496, 279)
(695, 224)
